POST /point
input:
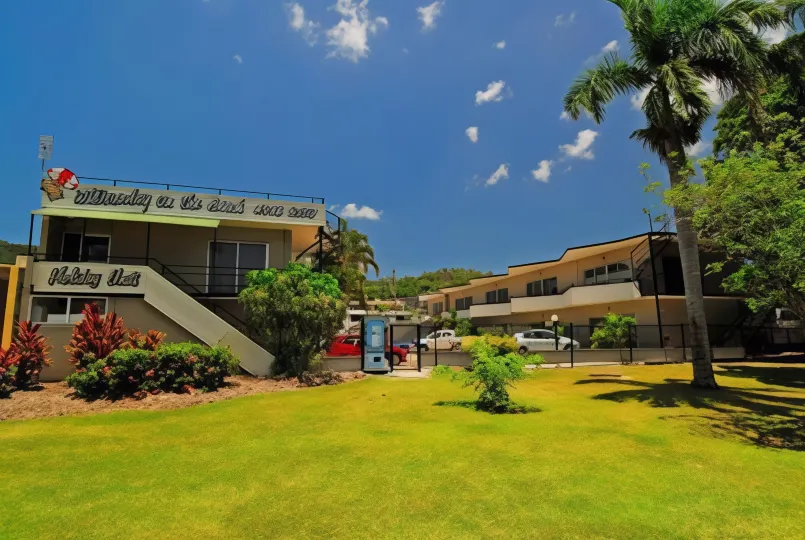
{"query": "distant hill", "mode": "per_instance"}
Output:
(9, 251)
(408, 286)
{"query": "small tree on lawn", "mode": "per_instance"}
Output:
(32, 351)
(494, 373)
(295, 311)
(614, 333)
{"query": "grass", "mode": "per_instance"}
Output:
(642, 456)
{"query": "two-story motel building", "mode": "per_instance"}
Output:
(172, 259)
(640, 276)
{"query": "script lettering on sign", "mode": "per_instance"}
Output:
(85, 277)
(102, 197)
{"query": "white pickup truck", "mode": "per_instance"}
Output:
(442, 340)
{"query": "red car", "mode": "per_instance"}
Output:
(350, 345)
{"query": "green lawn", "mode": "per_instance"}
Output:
(640, 457)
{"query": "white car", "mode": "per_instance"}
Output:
(442, 340)
(543, 340)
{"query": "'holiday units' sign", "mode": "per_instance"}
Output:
(88, 278)
(172, 203)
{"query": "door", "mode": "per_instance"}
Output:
(672, 271)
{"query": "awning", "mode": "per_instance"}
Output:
(123, 216)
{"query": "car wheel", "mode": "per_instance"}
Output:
(398, 358)
(566, 347)
(523, 351)
(425, 348)
(457, 347)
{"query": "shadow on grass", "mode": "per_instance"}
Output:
(755, 415)
(792, 377)
(473, 405)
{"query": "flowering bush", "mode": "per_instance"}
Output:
(176, 367)
(8, 370)
(95, 337)
(31, 350)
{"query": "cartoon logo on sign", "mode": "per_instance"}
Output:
(56, 180)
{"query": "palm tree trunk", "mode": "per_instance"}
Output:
(703, 376)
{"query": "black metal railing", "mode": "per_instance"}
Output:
(219, 191)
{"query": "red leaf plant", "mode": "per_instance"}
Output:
(8, 370)
(95, 337)
(147, 342)
(31, 349)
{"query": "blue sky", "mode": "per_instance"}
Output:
(363, 104)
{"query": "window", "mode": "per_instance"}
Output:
(355, 318)
(545, 334)
(544, 287)
(610, 273)
(77, 247)
(438, 308)
(491, 297)
(61, 309)
(230, 262)
(463, 303)
(503, 295)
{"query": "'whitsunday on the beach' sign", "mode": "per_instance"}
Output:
(174, 203)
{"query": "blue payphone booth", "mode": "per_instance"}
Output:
(374, 344)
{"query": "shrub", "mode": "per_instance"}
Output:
(464, 327)
(147, 342)
(8, 370)
(95, 337)
(31, 350)
(442, 370)
(176, 367)
(492, 374)
(614, 333)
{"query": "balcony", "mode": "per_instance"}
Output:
(491, 310)
(577, 296)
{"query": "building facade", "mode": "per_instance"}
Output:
(640, 276)
(172, 259)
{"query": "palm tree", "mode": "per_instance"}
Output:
(348, 256)
(678, 46)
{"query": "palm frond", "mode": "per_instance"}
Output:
(793, 10)
(599, 86)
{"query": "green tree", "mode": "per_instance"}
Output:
(751, 208)
(348, 257)
(677, 47)
(614, 333)
(296, 311)
(494, 373)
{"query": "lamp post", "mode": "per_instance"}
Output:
(555, 319)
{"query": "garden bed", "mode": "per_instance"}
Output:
(56, 399)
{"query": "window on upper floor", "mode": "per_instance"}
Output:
(437, 308)
(543, 287)
(609, 273)
(463, 303)
(77, 247)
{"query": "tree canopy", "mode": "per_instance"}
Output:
(426, 282)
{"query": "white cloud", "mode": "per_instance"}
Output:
(562, 20)
(612, 46)
(502, 173)
(698, 149)
(238, 58)
(349, 39)
(428, 14)
(640, 98)
(472, 133)
(299, 23)
(565, 116)
(492, 93)
(500, 45)
(334, 207)
(582, 147)
(773, 36)
(352, 211)
(543, 172)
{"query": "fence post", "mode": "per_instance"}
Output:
(391, 346)
(435, 347)
(684, 354)
(363, 338)
(418, 348)
(631, 357)
(556, 334)
(571, 345)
